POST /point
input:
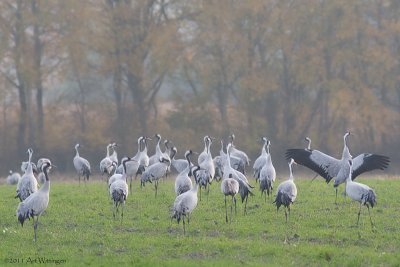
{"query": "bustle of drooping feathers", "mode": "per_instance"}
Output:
(370, 198)
(24, 214)
(118, 196)
(265, 184)
(86, 172)
(282, 199)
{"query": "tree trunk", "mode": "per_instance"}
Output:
(135, 87)
(38, 50)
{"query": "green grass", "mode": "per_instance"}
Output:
(78, 227)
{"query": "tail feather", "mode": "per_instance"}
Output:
(282, 199)
(118, 196)
(371, 198)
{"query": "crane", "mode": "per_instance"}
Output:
(36, 203)
(185, 203)
(267, 174)
(328, 167)
(182, 181)
(286, 192)
(229, 187)
(82, 166)
(360, 192)
(27, 185)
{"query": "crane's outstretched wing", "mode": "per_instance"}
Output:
(367, 162)
(321, 163)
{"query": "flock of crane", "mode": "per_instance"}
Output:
(228, 167)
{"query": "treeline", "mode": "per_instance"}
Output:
(99, 71)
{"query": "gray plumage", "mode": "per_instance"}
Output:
(204, 153)
(155, 172)
(267, 174)
(260, 161)
(119, 190)
(185, 203)
(207, 170)
(244, 186)
(36, 203)
(329, 167)
(286, 192)
(183, 182)
(238, 153)
(229, 187)
(360, 192)
(178, 164)
(82, 166)
(106, 164)
(27, 185)
(13, 177)
(158, 153)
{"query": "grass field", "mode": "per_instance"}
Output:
(78, 229)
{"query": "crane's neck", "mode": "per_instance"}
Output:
(77, 152)
(346, 153)
(158, 149)
(290, 172)
(108, 151)
(139, 144)
(309, 144)
(263, 150)
(144, 145)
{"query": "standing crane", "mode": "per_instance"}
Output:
(119, 191)
(106, 165)
(267, 174)
(13, 177)
(360, 192)
(229, 187)
(179, 164)
(182, 181)
(155, 172)
(244, 186)
(286, 192)
(238, 153)
(82, 166)
(260, 161)
(27, 185)
(185, 203)
(36, 203)
(207, 170)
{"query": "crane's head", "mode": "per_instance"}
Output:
(307, 139)
(268, 143)
(164, 160)
(232, 136)
(114, 145)
(291, 161)
(158, 136)
(264, 139)
(188, 153)
(10, 172)
(174, 150)
(77, 146)
(29, 151)
(166, 142)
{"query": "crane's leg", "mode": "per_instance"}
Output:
(231, 210)
(130, 184)
(208, 190)
(183, 221)
(245, 205)
(286, 216)
(336, 196)
(156, 186)
(122, 210)
(188, 218)
(79, 178)
(265, 196)
(226, 210)
(359, 212)
(372, 224)
(200, 192)
(288, 212)
(35, 225)
(234, 199)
